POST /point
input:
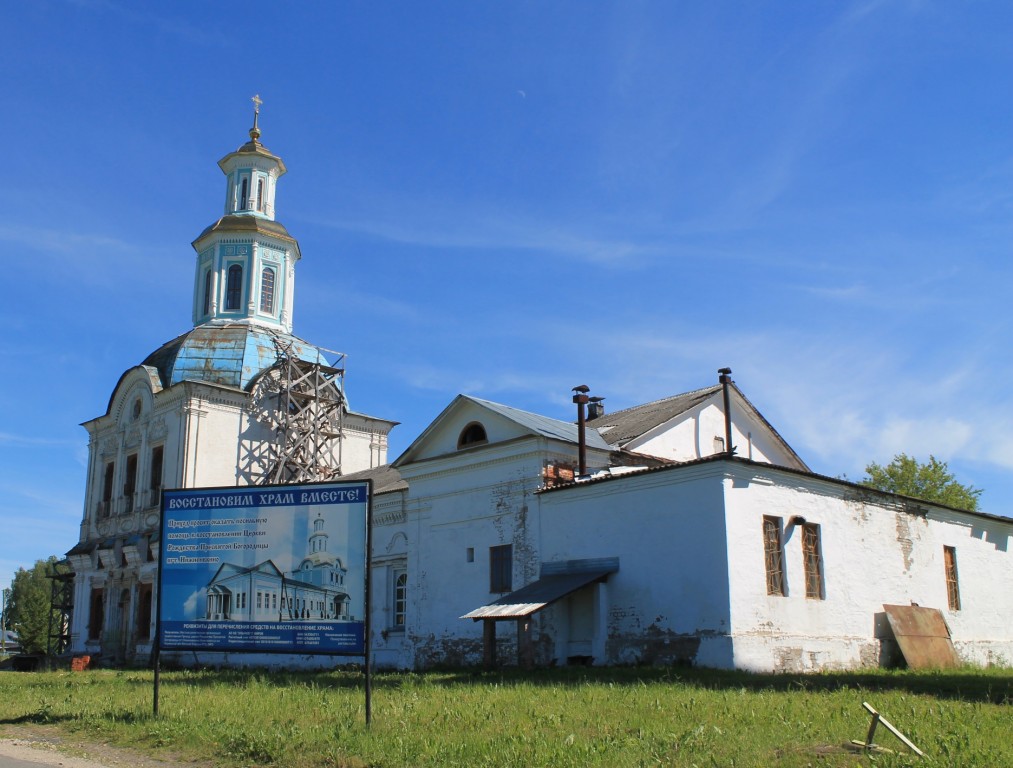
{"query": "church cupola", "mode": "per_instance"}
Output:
(246, 260)
(252, 173)
(318, 539)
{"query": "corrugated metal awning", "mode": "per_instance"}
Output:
(538, 595)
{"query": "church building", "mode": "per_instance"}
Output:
(223, 404)
(686, 530)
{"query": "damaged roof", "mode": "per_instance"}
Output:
(232, 355)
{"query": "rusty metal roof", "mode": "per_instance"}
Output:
(232, 355)
(247, 224)
(552, 586)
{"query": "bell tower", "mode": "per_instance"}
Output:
(246, 260)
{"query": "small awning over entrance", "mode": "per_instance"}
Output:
(557, 581)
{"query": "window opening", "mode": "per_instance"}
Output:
(473, 434)
(207, 292)
(952, 586)
(155, 482)
(260, 194)
(400, 597)
(501, 566)
(144, 613)
(130, 482)
(96, 615)
(243, 196)
(234, 287)
(813, 561)
(773, 552)
(107, 489)
(267, 291)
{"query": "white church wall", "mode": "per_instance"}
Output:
(669, 600)
(458, 508)
(873, 553)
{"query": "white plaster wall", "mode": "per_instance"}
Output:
(691, 435)
(874, 552)
(488, 504)
(667, 529)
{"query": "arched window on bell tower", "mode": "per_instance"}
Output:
(234, 287)
(207, 292)
(244, 194)
(267, 291)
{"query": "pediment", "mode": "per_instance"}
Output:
(137, 385)
(460, 426)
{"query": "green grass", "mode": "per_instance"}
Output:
(562, 717)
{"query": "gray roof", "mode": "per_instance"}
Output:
(543, 425)
(621, 427)
(385, 478)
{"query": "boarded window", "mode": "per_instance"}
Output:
(952, 587)
(812, 560)
(773, 552)
(501, 567)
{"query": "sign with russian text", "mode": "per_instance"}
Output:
(264, 569)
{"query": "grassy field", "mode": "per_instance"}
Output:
(561, 717)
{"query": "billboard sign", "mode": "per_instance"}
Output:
(264, 569)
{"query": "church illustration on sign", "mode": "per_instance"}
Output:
(314, 591)
(685, 530)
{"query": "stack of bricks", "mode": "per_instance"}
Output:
(80, 663)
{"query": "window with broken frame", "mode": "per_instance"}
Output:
(773, 555)
(952, 585)
(812, 560)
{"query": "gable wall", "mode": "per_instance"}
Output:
(692, 436)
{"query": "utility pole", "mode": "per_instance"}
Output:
(3, 623)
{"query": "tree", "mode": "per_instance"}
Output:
(931, 481)
(29, 606)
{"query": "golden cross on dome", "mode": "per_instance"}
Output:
(255, 130)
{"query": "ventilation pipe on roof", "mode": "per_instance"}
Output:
(595, 408)
(581, 399)
(725, 380)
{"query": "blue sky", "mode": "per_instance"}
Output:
(509, 199)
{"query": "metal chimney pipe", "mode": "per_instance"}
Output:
(581, 399)
(725, 379)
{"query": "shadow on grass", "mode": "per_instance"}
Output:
(966, 684)
(36, 718)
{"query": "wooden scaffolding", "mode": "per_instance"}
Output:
(307, 417)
